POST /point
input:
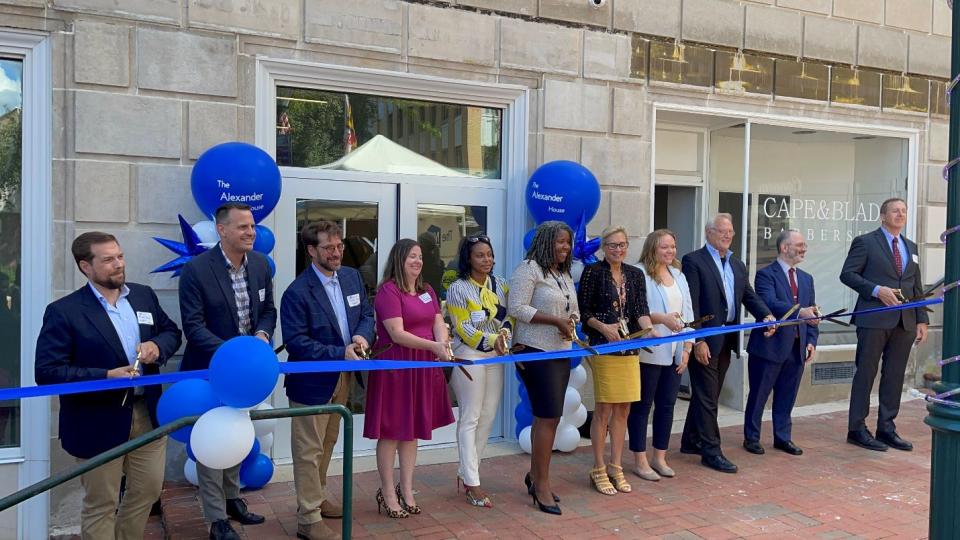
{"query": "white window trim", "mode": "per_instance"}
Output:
(36, 257)
(514, 100)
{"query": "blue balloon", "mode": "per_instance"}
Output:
(524, 416)
(254, 452)
(191, 397)
(244, 371)
(255, 474)
(524, 396)
(575, 361)
(190, 452)
(562, 190)
(236, 172)
(265, 241)
(272, 265)
(528, 238)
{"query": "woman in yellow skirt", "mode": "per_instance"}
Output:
(613, 305)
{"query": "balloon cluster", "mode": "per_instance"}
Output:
(243, 373)
(228, 172)
(569, 192)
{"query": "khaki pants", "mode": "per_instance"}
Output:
(101, 518)
(312, 439)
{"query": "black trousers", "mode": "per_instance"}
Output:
(658, 391)
(893, 346)
(706, 381)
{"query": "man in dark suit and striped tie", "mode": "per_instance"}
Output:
(883, 267)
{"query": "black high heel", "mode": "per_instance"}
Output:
(555, 509)
(415, 509)
(529, 483)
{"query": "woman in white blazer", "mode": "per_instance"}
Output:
(668, 297)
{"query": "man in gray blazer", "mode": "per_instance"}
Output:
(883, 267)
(225, 292)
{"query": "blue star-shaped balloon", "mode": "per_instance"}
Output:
(583, 248)
(186, 250)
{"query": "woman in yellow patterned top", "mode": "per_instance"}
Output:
(477, 304)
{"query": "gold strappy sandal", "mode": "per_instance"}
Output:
(618, 479)
(600, 481)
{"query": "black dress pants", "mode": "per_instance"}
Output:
(893, 346)
(701, 427)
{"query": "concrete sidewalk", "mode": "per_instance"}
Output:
(835, 490)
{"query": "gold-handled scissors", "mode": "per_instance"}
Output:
(574, 319)
(639, 334)
(136, 369)
(790, 312)
(370, 354)
(454, 358)
(696, 322)
(828, 317)
(503, 339)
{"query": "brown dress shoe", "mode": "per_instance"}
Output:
(331, 510)
(316, 531)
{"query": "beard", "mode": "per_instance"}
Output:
(330, 267)
(114, 282)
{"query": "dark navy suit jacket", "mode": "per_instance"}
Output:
(79, 343)
(208, 308)
(311, 332)
(709, 297)
(774, 288)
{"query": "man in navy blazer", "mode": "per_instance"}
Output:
(324, 315)
(718, 286)
(225, 292)
(776, 363)
(106, 329)
(883, 267)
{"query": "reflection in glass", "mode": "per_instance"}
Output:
(904, 93)
(855, 87)
(360, 132)
(11, 103)
(804, 80)
(359, 221)
(938, 98)
(640, 57)
(680, 63)
(439, 230)
(738, 73)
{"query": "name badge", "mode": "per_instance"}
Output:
(916, 259)
(145, 317)
(477, 317)
(263, 294)
(425, 298)
(353, 300)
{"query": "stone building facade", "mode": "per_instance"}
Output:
(120, 97)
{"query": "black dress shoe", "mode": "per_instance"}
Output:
(891, 439)
(237, 509)
(718, 463)
(221, 530)
(753, 447)
(864, 439)
(788, 447)
(691, 449)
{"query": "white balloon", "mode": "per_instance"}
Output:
(207, 231)
(567, 439)
(571, 400)
(264, 427)
(222, 437)
(266, 441)
(577, 418)
(190, 471)
(525, 443)
(578, 377)
(576, 269)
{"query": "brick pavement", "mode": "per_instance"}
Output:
(835, 490)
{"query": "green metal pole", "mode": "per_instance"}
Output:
(945, 421)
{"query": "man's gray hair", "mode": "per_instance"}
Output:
(784, 236)
(712, 224)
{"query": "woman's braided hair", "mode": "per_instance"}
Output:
(542, 247)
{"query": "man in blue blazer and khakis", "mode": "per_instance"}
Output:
(108, 329)
(324, 315)
(225, 292)
(883, 267)
(775, 363)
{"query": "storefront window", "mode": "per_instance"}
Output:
(358, 132)
(828, 185)
(679, 63)
(11, 101)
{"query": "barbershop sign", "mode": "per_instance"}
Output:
(825, 220)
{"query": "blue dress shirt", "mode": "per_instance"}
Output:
(124, 321)
(331, 285)
(726, 272)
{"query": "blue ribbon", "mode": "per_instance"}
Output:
(339, 365)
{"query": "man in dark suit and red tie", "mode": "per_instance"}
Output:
(108, 329)
(776, 363)
(719, 284)
(883, 267)
(225, 292)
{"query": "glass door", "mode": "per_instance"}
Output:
(367, 214)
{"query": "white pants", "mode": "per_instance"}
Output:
(479, 400)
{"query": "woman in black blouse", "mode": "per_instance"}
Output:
(613, 304)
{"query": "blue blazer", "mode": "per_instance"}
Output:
(311, 332)
(79, 343)
(208, 308)
(709, 297)
(774, 288)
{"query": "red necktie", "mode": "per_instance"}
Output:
(897, 259)
(793, 284)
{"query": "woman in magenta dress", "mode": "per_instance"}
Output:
(404, 405)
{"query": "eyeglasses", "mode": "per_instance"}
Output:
(478, 238)
(332, 248)
(617, 245)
